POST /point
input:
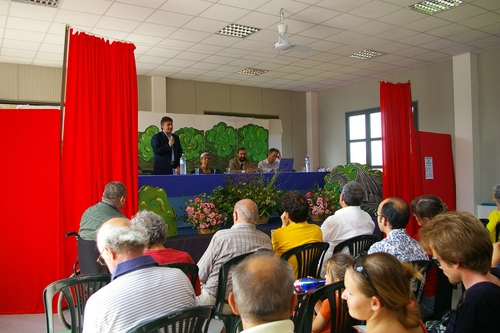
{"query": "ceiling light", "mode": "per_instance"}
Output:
(48, 3)
(435, 6)
(367, 54)
(252, 71)
(237, 30)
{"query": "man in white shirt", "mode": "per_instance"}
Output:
(263, 293)
(349, 221)
(139, 290)
(271, 162)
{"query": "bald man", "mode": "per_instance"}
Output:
(263, 293)
(128, 301)
(243, 237)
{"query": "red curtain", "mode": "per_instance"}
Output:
(401, 176)
(31, 231)
(100, 128)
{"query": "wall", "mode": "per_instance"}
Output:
(432, 87)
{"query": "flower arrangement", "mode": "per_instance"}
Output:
(203, 214)
(322, 202)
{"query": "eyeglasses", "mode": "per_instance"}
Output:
(357, 265)
(100, 260)
(377, 215)
(436, 261)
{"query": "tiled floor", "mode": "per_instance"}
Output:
(35, 323)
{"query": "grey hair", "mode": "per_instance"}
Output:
(263, 287)
(354, 193)
(153, 226)
(248, 209)
(114, 191)
(122, 239)
(496, 192)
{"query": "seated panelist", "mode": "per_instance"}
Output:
(240, 163)
(205, 161)
(271, 162)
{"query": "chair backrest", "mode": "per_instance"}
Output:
(484, 221)
(299, 311)
(75, 292)
(497, 233)
(356, 245)
(190, 320)
(444, 296)
(191, 270)
(230, 321)
(309, 258)
(340, 320)
(417, 285)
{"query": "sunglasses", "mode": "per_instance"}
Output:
(357, 265)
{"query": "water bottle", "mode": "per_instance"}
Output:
(307, 285)
(183, 164)
(308, 164)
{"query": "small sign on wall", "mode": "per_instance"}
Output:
(429, 168)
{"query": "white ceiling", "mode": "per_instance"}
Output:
(175, 38)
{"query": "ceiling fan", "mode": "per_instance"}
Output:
(283, 44)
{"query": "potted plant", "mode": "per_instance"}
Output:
(322, 203)
(204, 215)
(265, 194)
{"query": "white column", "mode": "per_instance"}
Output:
(312, 129)
(158, 94)
(465, 91)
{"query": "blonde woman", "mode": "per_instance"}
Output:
(378, 290)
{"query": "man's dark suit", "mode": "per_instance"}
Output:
(163, 153)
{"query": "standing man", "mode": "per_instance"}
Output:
(349, 221)
(271, 162)
(243, 237)
(139, 290)
(263, 293)
(461, 247)
(240, 163)
(167, 149)
(113, 200)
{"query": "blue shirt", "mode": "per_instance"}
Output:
(133, 265)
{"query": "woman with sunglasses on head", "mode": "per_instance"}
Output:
(378, 290)
(425, 208)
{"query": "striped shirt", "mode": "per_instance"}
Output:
(136, 297)
(226, 244)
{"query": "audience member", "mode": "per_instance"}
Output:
(425, 208)
(240, 163)
(294, 231)
(113, 200)
(349, 221)
(271, 162)
(263, 294)
(336, 266)
(378, 291)
(494, 216)
(167, 149)
(155, 229)
(139, 290)
(243, 237)
(462, 248)
(392, 217)
(205, 161)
